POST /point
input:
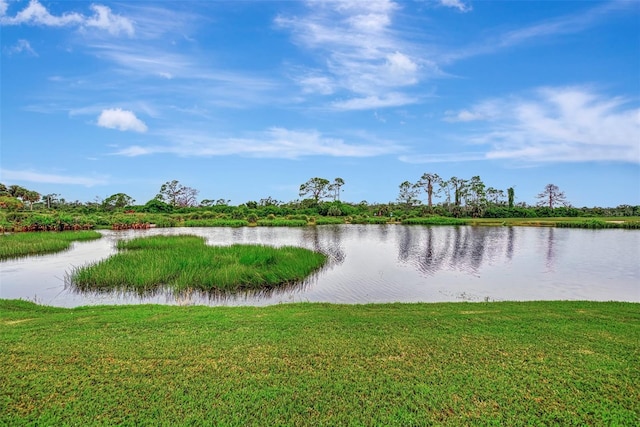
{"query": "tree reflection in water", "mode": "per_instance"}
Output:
(464, 249)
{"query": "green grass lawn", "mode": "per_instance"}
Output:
(533, 363)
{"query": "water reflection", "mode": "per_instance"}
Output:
(466, 249)
(329, 244)
(379, 263)
(190, 296)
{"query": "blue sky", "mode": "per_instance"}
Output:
(244, 100)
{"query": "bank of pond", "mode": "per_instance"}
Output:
(20, 243)
(450, 364)
(36, 221)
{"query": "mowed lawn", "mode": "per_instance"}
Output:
(500, 363)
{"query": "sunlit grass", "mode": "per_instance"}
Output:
(185, 262)
(24, 244)
(456, 364)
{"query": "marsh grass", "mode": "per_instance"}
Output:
(33, 243)
(599, 224)
(329, 220)
(281, 222)
(186, 262)
(216, 223)
(454, 364)
(371, 220)
(434, 220)
(562, 222)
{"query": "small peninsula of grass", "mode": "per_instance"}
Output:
(25, 244)
(452, 364)
(186, 262)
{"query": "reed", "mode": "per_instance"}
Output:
(186, 262)
(25, 244)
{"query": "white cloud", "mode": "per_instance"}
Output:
(39, 177)
(362, 53)
(456, 4)
(558, 124)
(444, 157)
(106, 20)
(20, 47)
(485, 110)
(312, 83)
(372, 102)
(116, 118)
(36, 14)
(558, 26)
(275, 142)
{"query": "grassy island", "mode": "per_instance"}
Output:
(456, 364)
(186, 262)
(25, 244)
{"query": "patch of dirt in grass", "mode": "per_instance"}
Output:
(15, 322)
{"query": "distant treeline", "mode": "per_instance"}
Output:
(159, 214)
(22, 209)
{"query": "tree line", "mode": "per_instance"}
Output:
(453, 197)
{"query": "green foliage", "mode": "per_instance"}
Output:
(4, 224)
(185, 262)
(317, 188)
(117, 201)
(10, 203)
(455, 364)
(157, 206)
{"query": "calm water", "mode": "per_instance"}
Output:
(386, 263)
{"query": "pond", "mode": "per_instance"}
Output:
(380, 263)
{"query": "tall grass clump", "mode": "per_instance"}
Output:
(599, 224)
(370, 220)
(25, 244)
(329, 220)
(186, 262)
(281, 222)
(434, 220)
